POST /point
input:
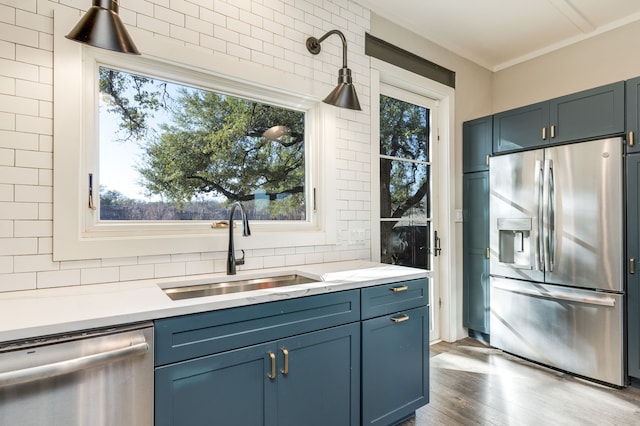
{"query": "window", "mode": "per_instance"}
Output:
(276, 150)
(170, 151)
(405, 182)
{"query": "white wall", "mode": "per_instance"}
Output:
(609, 57)
(267, 35)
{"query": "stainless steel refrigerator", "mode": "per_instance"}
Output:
(557, 293)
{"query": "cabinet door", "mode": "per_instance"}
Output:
(229, 388)
(633, 276)
(475, 241)
(320, 384)
(633, 114)
(521, 128)
(395, 366)
(477, 144)
(589, 114)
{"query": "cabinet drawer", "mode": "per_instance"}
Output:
(389, 298)
(191, 336)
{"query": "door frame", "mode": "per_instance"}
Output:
(449, 317)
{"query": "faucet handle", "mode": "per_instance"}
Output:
(241, 260)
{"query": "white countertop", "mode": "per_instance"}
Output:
(34, 313)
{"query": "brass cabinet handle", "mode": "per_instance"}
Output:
(401, 318)
(285, 368)
(553, 131)
(272, 357)
(488, 253)
(632, 265)
(544, 133)
(631, 141)
(486, 159)
(401, 288)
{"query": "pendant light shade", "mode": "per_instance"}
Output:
(101, 27)
(344, 95)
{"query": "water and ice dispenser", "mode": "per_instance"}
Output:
(514, 239)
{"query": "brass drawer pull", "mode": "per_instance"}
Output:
(285, 368)
(401, 288)
(401, 318)
(631, 141)
(272, 357)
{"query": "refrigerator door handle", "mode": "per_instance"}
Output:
(539, 241)
(600, 301)
(552, 218)
(548, 216)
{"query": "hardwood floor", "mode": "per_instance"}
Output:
(473, 384)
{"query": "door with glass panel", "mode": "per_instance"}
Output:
(408, 232)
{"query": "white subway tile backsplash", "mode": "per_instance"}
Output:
(7, 50)
(226, 9)
(184, 34)
(153, 25)
(18, 282)
(34, 90)
(45, 245)
(6, 266)
(169, 269)
(34, 263)
(167, 15)
(7, 14)
(34, 159)
(7, 85)
(136, 272)
(18, 35)
(199, 25)
(18, 105)
(33, 228)
(185, 7)
(7, 156)
(199, 267)
(34, 21)
(18, 246)
(99, 275)
(79, 264)
(18, 140)
(58, 278)
(6, 229)
(274, 261)
(17, 175)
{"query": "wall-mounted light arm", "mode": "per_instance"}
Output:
(344, 95)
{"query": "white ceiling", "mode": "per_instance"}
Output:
(499, 33)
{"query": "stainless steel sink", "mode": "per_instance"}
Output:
(212, 289)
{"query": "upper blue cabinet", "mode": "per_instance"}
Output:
(633, 115)
(589, 114)
(476, 144)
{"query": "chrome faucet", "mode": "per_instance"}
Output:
(231, 256)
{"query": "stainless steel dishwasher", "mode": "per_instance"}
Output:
(96, 377)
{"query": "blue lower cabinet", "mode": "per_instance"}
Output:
(322, 384)
(310, 379)
(312, 361)
(395, 366)
(229, 388)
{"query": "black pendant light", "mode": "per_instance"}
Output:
(344, 95)
(101, 27)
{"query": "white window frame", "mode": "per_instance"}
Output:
(77, 232)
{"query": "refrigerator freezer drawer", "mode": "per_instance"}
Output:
(579, 331)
